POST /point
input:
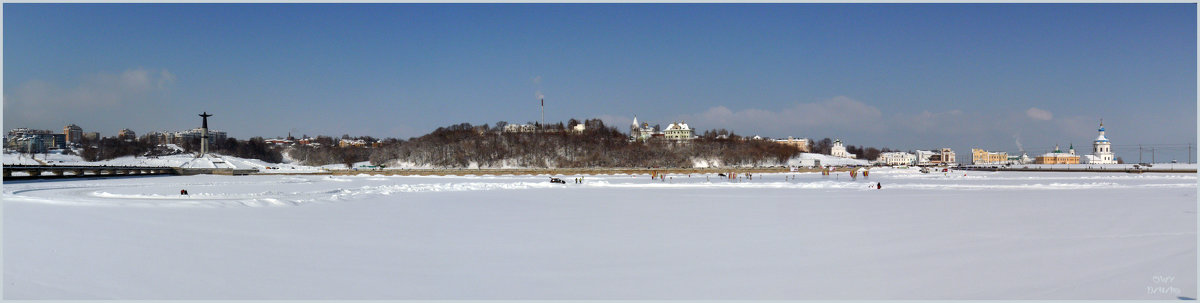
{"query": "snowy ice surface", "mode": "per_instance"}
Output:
(982, 235)
(180, 160)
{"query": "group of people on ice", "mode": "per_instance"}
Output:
(736, 176)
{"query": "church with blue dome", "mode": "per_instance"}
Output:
(1101, 149)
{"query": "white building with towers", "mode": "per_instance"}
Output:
(640, 132)
(1101, 150)
(839, 150)
(678, 131)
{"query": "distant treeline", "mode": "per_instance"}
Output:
(599, 145)
(328, 151)
(464, 145)
(109, 148)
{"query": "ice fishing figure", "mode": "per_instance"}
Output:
(183, 192)
(878, 185)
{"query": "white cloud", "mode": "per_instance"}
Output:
(38, 102)
(537, 80)
(1039, 114)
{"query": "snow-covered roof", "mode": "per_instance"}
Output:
(1056, 155)
(678, 126)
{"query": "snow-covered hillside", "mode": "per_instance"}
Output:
(806, 159)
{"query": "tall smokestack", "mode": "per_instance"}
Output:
(543, 113)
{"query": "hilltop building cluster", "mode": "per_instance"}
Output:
(316, 142)
(40, 140)
(34, 140)
(359, 143)
(178, 137)
(520, 128)
(531, 127)
(676, 131)
(292, 141)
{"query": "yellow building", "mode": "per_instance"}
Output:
(802, 144)
(1058, 157)
(979, 156)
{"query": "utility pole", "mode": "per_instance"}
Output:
(1152, 155)
(1140, 153)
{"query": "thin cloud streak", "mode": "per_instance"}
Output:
(1039, 114)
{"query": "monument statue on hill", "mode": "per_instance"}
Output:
(204, 134)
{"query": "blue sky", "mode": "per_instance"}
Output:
(905, 76)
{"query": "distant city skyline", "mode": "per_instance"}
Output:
(999, 77)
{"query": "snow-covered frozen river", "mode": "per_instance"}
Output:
(982, 235)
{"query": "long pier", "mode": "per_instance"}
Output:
(55, 171)
(21, 172)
